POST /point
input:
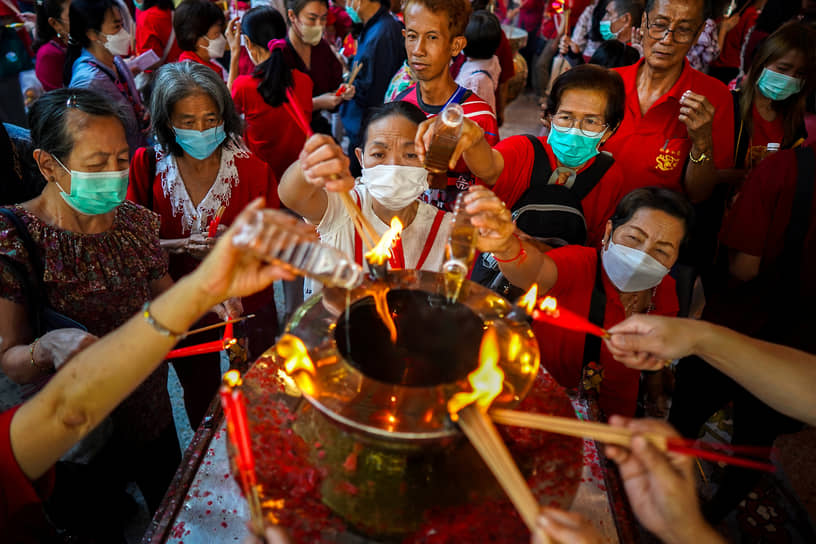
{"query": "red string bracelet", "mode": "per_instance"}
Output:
(522, 253)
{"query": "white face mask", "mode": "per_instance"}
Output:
(395, 186)
(630, 269)
(216, 47)
(118, 44)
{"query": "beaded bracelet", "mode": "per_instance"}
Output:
(158, 327)
(520, 255)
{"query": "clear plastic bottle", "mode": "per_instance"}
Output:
(459, 250)
(448, 127)
(308, 257)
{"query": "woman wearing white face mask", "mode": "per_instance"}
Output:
(199, 27)
(629, 275)
(99, 39)
(271, 132)
(392, 180)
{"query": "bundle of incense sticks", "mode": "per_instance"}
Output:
(354, 71)
(213, 228)
(207, 347)
(752, 457)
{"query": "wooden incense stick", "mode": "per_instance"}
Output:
(364, 227)
(216, 325)
(354, 71)
(481, 432)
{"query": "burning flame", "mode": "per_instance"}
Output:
(486, 381)
(381, 304)
(528, 300)
(295, 355)
(549, 305)
(232, 378)
(380, 253)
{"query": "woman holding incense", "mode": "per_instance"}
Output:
(200, 166)
(392, 180)
(629, 275)
(36, 434)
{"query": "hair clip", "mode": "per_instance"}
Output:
(71, 102)
(274, 45)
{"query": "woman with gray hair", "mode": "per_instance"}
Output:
(198, 167)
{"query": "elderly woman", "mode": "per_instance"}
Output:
(98, 41)
(628, 275)
(199, 26)
(99, 261)
(677, 130)
(392, 180)
(199, 166)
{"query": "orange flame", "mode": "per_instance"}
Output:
(549, 305)
(294, 352)
(486, 381)
(232, 378)
(381, 304)
(382, 251)
(528, 300)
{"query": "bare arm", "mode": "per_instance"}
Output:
(742, 266)
(783, 377)
(89, 388)
(160, 285)
(697, 113)
(233, 35)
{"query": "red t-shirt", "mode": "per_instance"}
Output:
(21, 515)
(598, 205)
(48, 67)
(478, 111)
(271, 133)
(192, 57)
(256, 179)
(505, 55)
(153, 29)
(654, 147)
(757, 222)
(562, 351)
(731, 49)
(763, 133)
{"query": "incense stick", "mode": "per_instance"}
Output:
(485, 438)
(354, 71)
(216, 325)
(363, 226)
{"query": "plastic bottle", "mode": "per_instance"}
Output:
(448, 127)
(459, 250)
(308, 257)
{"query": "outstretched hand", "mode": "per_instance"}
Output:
(471, 135)
(646, 342)
(325, 165)
(493, 221)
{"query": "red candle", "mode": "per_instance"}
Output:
(207, 347)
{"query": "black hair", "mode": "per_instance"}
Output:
(595, 78)
(598, 13)
(706, 7)
(632, 7)
(260, 25)
(483, 33)
(178, 80)
(297, 5)
(193, 19)
(162, 4)
(49, 117)
(614, 54)
(769, 20)
(45, 10)
(84, 15)
(655, 198)
(405, 109)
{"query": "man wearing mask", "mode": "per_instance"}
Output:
(434, 34)
(391, 181)
(629, 275)
(380, 55)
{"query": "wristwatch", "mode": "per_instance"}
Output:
(701, 159)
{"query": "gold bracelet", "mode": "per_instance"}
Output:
(158, 327)
(703, 157)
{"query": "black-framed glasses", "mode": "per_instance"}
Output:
(589, 126)
(681, 33)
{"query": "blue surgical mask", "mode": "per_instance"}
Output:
(571, 147)
(355, 17)
(200, 144)
(139, 5)
(94, 193)
(778, 86)
(606, 31)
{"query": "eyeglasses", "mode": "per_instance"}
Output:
(589, 126)
(682, 33)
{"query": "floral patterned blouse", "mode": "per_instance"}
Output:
(100, 280)
(706, 49)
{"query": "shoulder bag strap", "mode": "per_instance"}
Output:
(541, 162)
(171, 40)
(597, 311)
(589, 178)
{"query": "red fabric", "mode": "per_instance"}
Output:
(153, 29)
(339, 19)
(655, 146)
(21, 517)
(756, 223)
(257, 180)
(598, 205)
(192, 57)
(765, 132)
(562, 350)
(505, 56)
(49, 63)
(6, 11)
(272, 133)
(732, 47)
(326, 71)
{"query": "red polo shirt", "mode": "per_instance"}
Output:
(192, 57)
(598, 205)
(153, 28)
(562, 351)
(653, 148)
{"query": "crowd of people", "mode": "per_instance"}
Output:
(675, 156)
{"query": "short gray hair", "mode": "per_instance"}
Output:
(179, 80)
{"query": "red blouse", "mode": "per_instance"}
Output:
(271, 133)
(153, 28)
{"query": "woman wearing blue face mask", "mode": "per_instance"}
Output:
(199, 166)
(584, 108)
(102, 261)
(628, 275)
